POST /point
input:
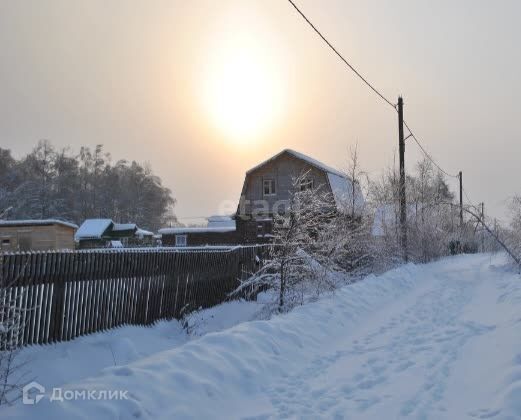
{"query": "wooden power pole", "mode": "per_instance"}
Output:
(403, 202)
(461, 199)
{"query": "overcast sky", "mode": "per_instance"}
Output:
(129, 74)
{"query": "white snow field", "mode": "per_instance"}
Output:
(435, 341)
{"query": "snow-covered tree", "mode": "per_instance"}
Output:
(432, 217)
(291, 268)
(57, 184)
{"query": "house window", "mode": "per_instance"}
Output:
(6, 242)
(180, 240)
(306, 184)
(268, 186)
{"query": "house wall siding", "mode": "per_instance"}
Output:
(37, 237)
(282, 169)
(203, 238)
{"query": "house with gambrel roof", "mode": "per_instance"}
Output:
(269, 185)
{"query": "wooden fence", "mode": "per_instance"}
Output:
(56, 296)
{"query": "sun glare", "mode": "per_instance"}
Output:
(243, 92)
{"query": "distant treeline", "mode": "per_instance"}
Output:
(51, 183)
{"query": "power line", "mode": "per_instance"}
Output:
(427, 155)
(468, 199)
(341, 57)
(411, 134)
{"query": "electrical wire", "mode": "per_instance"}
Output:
(427, 155)
(341, 57)
(411, 134)
(469, 200)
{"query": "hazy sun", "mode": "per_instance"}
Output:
(243, 92)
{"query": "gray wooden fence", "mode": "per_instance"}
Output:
(56, 296)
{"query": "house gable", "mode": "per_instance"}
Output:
(280, 172)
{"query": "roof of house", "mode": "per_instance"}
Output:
(341, 185)
(217, 224)
(123, 227)
(97, 228)
(37, 222)
(342, 189)
(221, 222)
(142, 233)
(93, 229)
(301, 156)
(181, 230)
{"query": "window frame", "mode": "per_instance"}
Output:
(306, 184)
(273, 188)
(178, 240)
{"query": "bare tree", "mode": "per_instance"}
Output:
(356, 175)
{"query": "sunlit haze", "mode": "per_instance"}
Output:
(205, 90)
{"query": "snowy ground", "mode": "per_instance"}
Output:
(56, 365)
(439, 341)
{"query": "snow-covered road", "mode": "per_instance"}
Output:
(439, 341)
(404, 359)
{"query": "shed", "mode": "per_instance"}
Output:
(38, 235)
(220, 230)
(96, 233)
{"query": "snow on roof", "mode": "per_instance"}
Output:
(37, 222)
(221, 221)
(301, 156)
(207, 229)
(218, 218)
(123, 227)
(216, 224)
(342, 188)
(142, 232)
(341, 184)
(92, 229)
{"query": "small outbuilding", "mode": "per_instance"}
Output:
(220, 230)
(36, 235)
(105, 233)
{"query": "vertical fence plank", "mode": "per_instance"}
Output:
(62, 295)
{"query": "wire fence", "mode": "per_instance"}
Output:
(53, 296)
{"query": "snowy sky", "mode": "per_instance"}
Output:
(128, 74)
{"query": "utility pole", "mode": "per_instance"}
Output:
(461, 199)
(403, 203)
